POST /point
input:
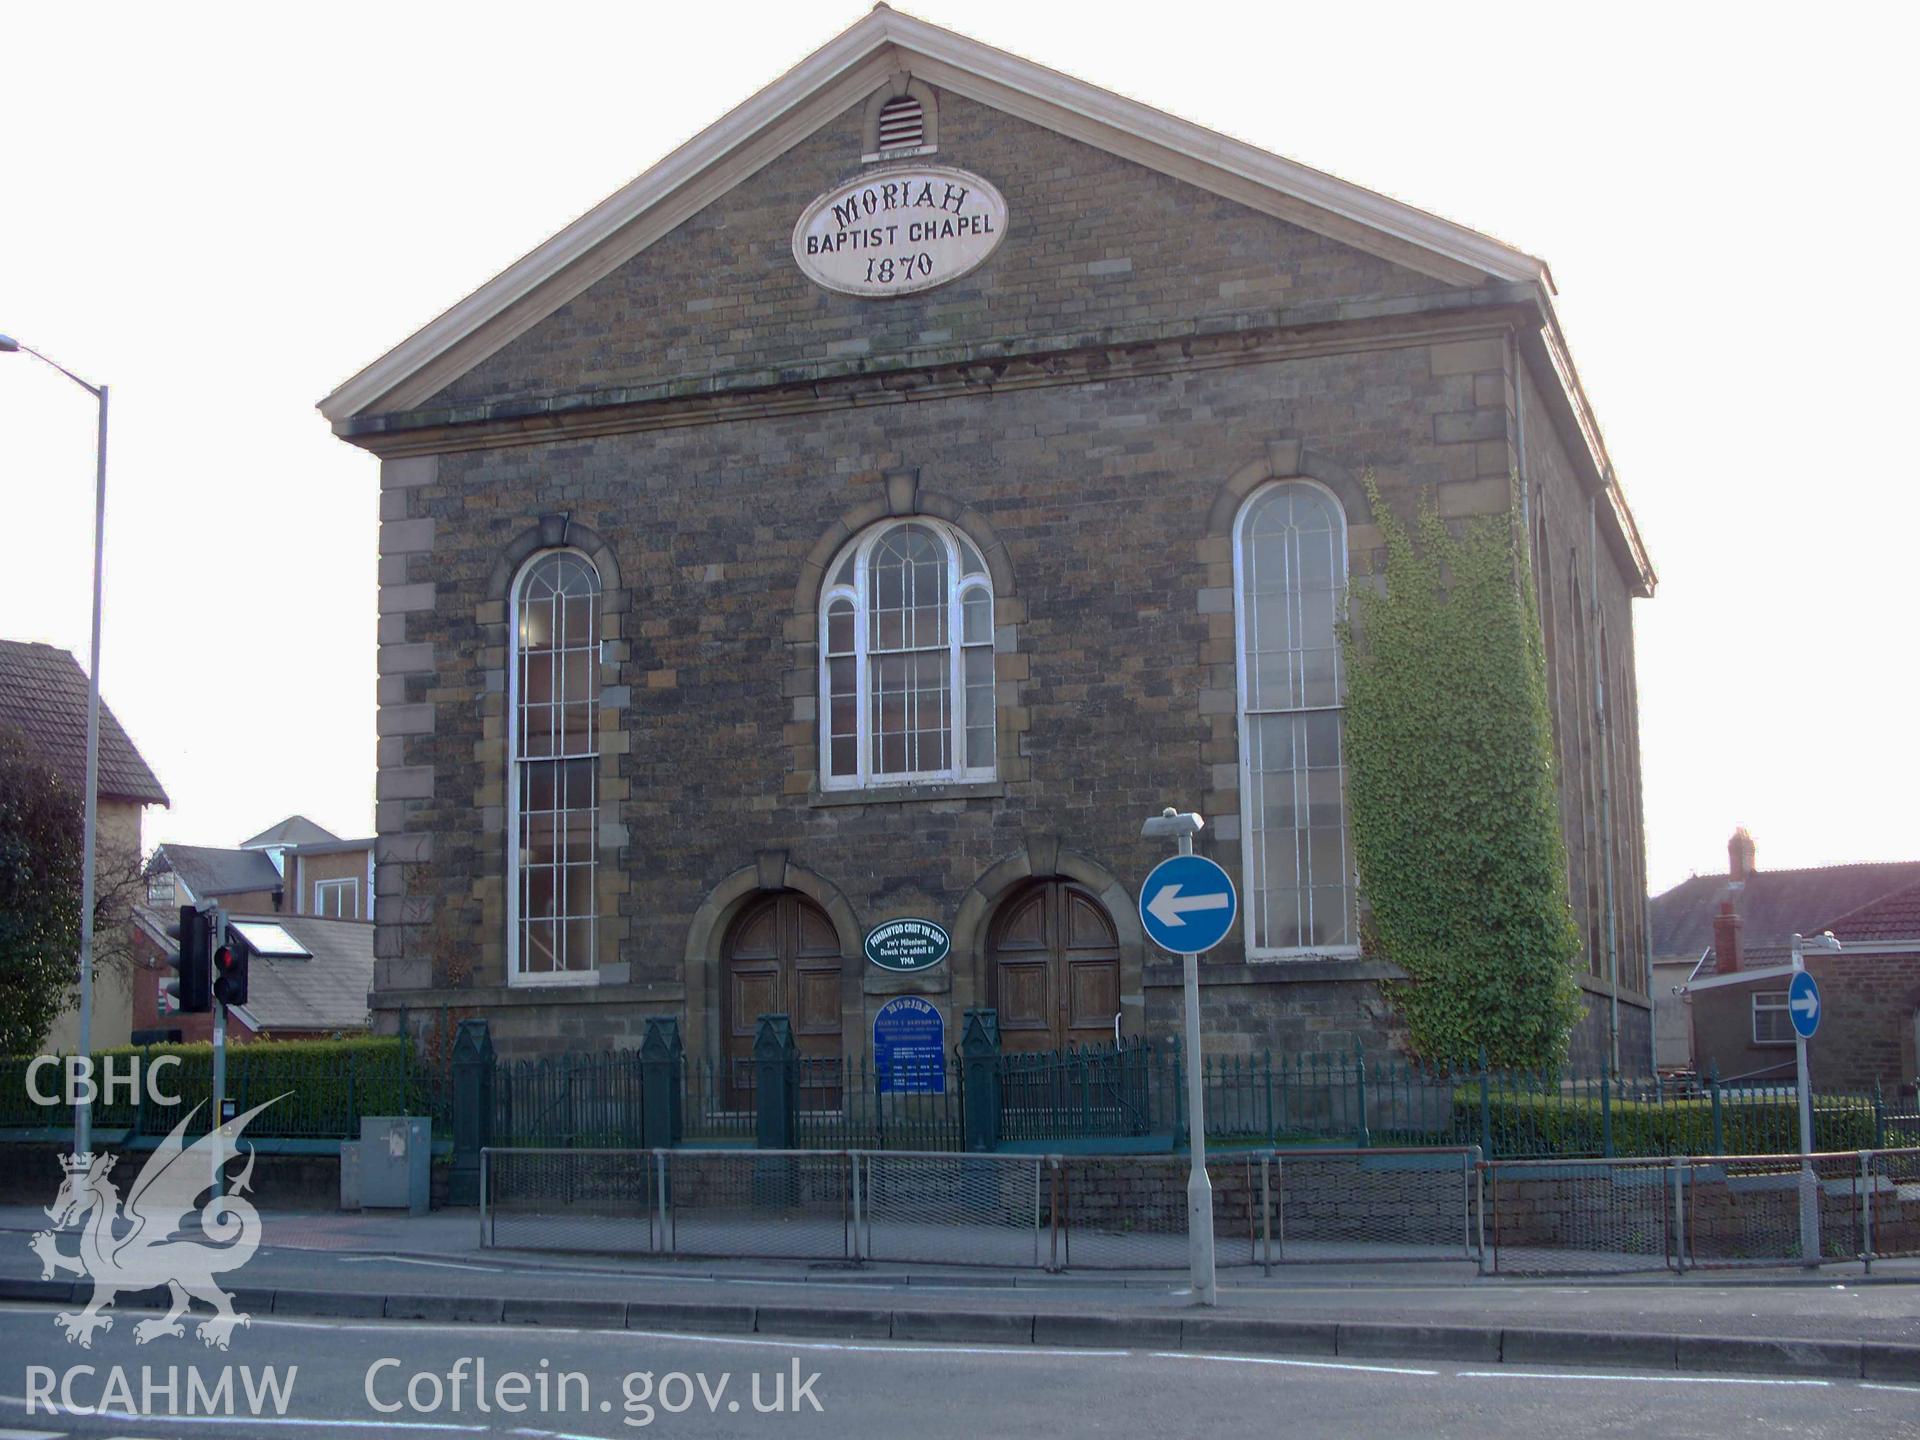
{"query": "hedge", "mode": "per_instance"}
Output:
(1547, 1125)
(320, 1088)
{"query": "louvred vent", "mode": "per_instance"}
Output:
(902, 126)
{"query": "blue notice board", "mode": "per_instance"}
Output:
(910, 1047)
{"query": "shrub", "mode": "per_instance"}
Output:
(1456, 821)
(1548, 1125)
(319, 1088)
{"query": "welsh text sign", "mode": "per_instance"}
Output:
(907, 945)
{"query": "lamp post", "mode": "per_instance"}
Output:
(82, 1113)
(1809, 1189)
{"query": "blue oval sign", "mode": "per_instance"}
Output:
(905, 946)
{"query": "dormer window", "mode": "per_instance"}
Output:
(903, 119)
(902, 124)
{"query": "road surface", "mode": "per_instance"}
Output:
(332, 1376)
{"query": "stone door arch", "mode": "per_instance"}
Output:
(1053, 967)
(780, 956)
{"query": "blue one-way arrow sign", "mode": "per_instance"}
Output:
(1187, 905)
(1803, 1004)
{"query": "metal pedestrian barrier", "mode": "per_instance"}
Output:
(1584, 1216)
(1377, 1204)
(601, 1201)
(941, 1208)
(1271, 1208)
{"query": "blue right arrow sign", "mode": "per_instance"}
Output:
(1803, 1004)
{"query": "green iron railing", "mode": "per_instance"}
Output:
(1131, 1091)
(1133, 1096)
(1130, 1096)
(598, 1102)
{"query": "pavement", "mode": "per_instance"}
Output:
(391, 1267)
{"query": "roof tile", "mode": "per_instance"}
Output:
(1773, 904)
(43, 694)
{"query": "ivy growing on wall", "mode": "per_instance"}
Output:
(1456, 826)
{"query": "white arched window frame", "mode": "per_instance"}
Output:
(906, 660)
(1289, 588)
(553, 771)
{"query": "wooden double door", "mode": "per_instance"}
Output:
(781, 956)
(1054, 962)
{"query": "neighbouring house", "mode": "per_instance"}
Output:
(293, 868)
(1868, 1039)
(1722, 960)
(886, 502)
(309, 979)
(43, 696)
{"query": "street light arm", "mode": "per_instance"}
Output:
(8, 343)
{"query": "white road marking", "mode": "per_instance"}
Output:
(410, 1260)
(29, 1435)
(1636, 1379)
(96, 1414)
(1297, 1364)
(1897, 1389)
(879, 1347)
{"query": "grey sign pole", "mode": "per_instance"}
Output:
(1199, 1187)
(1182, 829)
(1809, 1194)
(1809, 1184)
(219, 1061)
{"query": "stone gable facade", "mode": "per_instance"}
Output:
(1090, 409)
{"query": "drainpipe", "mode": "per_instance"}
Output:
(1520, 457)
(1646, 948)
(1595, 650)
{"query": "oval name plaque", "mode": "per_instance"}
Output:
(907, 946)
(897, 232)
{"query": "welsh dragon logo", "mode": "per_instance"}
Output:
(141, 1242)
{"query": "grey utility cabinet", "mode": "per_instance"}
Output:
(396, 1156)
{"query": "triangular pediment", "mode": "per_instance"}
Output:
(819, 91)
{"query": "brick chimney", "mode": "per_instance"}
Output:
(1726, 935)
(1739, 857)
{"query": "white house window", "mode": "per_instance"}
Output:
(554, 791)
(1772, 1025)
(1290, 578)
(337, 899)
(906, 660)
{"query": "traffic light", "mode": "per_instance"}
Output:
(192, 987)
(230, 968)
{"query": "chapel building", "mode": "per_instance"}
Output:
(893, 497)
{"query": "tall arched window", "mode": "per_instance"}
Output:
(906, 659)
(553, 792)
(1290, 580)
(1583, 737)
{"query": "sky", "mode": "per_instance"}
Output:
(222, 211)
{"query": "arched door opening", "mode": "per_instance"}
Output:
(1053, 960)
(781, 956)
